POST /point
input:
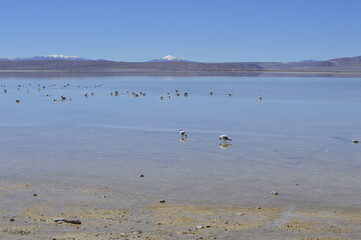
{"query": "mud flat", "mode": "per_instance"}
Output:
(30, 211)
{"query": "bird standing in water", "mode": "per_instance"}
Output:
(224, 138)
(182, 133)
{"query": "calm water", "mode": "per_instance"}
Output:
(301, 133)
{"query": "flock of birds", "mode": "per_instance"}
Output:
(40, 87)
(87, 94)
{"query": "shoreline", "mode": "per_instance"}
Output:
(29, 211)
(265, 73)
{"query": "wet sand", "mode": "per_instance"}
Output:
(28, 211)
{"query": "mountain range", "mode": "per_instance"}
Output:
(61, 63)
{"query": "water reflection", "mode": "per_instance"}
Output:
(182, 139)
(224, 145)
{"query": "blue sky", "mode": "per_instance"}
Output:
(199, 30)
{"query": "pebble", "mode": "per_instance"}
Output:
(59, 220)
(75, 221)
(136, 231)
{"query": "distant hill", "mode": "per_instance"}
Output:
(94, 66)
(60, 63)
(46, 57)
(337, 64)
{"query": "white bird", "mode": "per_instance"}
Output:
(224, 138)
(182, 133)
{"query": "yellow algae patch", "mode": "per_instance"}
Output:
(351, 215)
(38, 213)
(107, 236)
(85, 215)
(185, 218)
(312, 227)
(18, 230)
(95, 213)
(323, 238)
(8, 185)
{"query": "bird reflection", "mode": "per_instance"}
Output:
(182, 139)
(224, 145)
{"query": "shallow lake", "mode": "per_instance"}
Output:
(296, 141)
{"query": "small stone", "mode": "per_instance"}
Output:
(258, 208)
(59, 220)
(136, 231)
(141, 175)
(12, 220)
(73, 221)
(35, 195)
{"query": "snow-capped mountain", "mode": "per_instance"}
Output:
(169, 58)
(46, 57)
(55, 56)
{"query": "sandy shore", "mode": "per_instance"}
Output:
(28, 211)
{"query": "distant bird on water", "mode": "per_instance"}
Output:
(224, 138)
(182, 133)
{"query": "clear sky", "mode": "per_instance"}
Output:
(199, 30)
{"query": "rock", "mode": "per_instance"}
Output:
(75, 221)
(141, 175)
(59, 220)
(12, 220)
(136, 231)
(35, 195)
